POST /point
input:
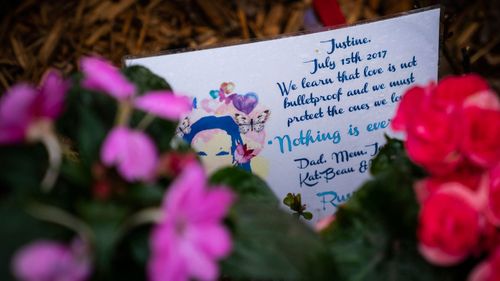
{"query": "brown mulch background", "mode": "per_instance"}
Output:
(36, 34)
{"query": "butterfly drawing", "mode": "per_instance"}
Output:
(247, 124)
(184, 127)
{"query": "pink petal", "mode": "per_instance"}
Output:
(141, 158)
(200, 265)
(112, 151)
(166, 263)
(186, 191)
(164, 104)
(213, 239)
(16, 113)
(102, 76)
(215, 205)
(52, 91)
(47, 260)
(133, 152)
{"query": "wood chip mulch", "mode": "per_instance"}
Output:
(36, 35)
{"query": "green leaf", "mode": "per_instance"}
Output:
(374, 234)
(269, 244)
(245, 184)
(144, 79)
(288, 200)
(307, 215)
(105, 220)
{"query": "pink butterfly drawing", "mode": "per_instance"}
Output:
(243, 154)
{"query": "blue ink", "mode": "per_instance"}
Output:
(354, 58)
(285, 90)
(409, 64)
(311, 179)
(315, 83)
(360, 91)
(379, 102)
(287, 143)
(305, 162)
(358, 107)
(305, 117)
(367, 72)
(353, 131)
(378, 125)
(332, 111)
(395, 98)
(344, 76)
(312, 99)
(327, 63)
(403, 82)
(195, 103)
(334, 199)
(345, 156)
(377, 55)
(347, 43)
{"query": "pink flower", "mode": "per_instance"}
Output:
(48, 260)
(133, 153)
(449, 225)
(164, 104)
(191, 238)
(243, 154)
(23, 105)
(488, 270)
(102, 76)
(481, 120)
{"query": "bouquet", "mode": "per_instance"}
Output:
(94, 185)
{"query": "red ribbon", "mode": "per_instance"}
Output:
(329, 12)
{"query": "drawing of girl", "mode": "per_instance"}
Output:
(227, 129)
(216, 139)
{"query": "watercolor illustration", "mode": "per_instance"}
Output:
(227, 129)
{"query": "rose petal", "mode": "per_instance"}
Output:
(164, 104)
(438, 257)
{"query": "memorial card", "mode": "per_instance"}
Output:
(304, 112)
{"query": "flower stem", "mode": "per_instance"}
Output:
(43, 131)
(55, 158)
(61, 217)
(145, 122)
(124, 112)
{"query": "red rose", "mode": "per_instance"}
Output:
(466, 174)
(488, 270)
(443, 127)
(452, 91)
(432, 133)
(481, 121)
(449, 226)
(493, 205)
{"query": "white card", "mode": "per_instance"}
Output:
(306, 112)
